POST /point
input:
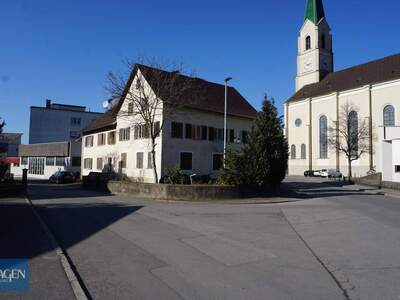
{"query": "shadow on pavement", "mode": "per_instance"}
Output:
(298, 189)
(44, 191)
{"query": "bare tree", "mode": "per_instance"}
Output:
(153, 96)
(350, 135)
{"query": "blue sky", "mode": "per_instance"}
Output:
(63, 50)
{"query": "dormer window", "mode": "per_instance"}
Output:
(308, 43)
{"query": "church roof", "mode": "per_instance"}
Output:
(314, 11)
(201, 95)
(373, 72)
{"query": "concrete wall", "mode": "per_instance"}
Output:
(54, 125)
(174, 192)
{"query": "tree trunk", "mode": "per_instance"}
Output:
(350, 170)
(153, 158)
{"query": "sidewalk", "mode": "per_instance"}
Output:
(383, 192)
(21, 236)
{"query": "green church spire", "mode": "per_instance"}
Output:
(314, 11)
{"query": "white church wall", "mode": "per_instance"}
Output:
(298, 135)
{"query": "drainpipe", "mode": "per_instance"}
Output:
(371, 149)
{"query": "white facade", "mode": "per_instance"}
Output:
(171, 148)
(58, 122)
(310, 111)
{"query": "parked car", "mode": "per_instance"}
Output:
(62, 177)
(317, 173)
(323, 173)
(334, 174)
(308, 173)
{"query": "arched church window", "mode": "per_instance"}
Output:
(308, 43)
(293, 152)
(323, 137)
(323, 41)
(303, 151)
(388, 116)
(353, 133)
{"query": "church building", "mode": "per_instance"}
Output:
(321, 92)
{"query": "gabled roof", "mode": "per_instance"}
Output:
(385, 69)
(211, 98)
(314, 11)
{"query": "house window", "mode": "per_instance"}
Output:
(49, 161)
(24, 161)
(244, 136)
(218, 162)
(308, 43)
(138, 84)
(99, 163)
(186, 161)
(188, 131)
(397, 169)
(303, 151)
(204, 133)
(101, 139)
(149, 161)
(74, 134)
(36, 166)
(293, 152)
(176, 130)
(76, 161)
(76, 121)
(111, 138)
(353, 133)
(139, 160)
(323, 137)
(88, 163)
(212, 133)
(124, 134)
(89, 141)
(60, 161)
(130, 109)
(124, 158)
(231, 136)
(388, 116)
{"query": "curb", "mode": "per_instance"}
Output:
(72, 278)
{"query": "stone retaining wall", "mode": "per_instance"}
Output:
(374, 180)
(174, 192)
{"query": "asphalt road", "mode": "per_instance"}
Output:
(330, 242)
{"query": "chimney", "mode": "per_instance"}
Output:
(48, 103)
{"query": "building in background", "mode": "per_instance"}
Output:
(373, 88)
(43, 160)
(9, 143)
(58, 122)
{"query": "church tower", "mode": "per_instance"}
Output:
(314, 55)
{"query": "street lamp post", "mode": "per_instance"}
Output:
(225, 112)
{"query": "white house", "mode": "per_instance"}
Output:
(373, 87)
(58, 122)
(192, 138)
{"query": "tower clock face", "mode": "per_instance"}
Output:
(308, 65)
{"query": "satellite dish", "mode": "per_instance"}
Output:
(106, 104)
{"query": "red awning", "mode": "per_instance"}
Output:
(10, 160)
